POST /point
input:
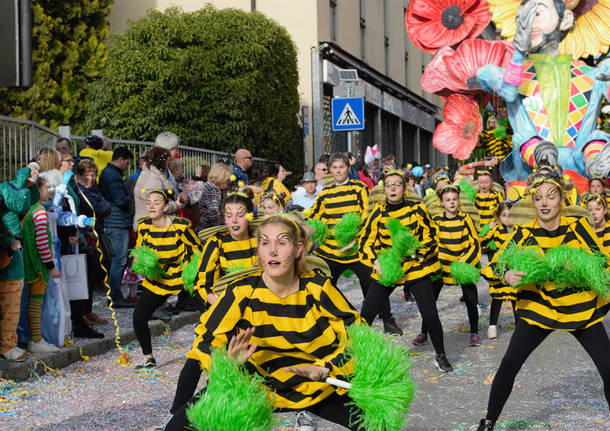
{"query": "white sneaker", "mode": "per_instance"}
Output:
(492, 332)
(305, 422)
(42, 347)
(15, 354)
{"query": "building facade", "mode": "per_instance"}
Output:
(366, 35)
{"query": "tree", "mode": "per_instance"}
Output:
(68, 52)
(220, 79)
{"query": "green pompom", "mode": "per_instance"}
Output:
(435, 277)
(233, 399)
(484, 230)
(320, 231)
(391, 267)
(500, 132)
(189, 274)
(467, 190)
(347, 273)
(526, 260)
(146, 262)
(464, 273)
(347, 228)
(403, 241)
(235, 267)
(579, 269)
(381, 385)
(492, 245)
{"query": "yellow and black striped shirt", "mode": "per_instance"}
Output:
(497, 288)
(457, 241)
(222, 254)
(376, 238)
(332, 203)
(487, 206)
(308, 327)
(545, 305)
(495, 146)
(175, 245)
(604, 237)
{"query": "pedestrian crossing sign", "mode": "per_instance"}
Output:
(348, 113)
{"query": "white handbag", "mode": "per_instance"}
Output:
(74, 271)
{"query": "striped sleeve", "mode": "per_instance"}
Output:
(489, 236)
(489, 271)
(221, 322)
(42, 235)
(472, 255)
(340, 314)
(369, 236)
(209, 267)
(318, 206)
(428, 232)
(192, 245)
(582, 232)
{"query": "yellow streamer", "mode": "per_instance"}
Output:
(123, 356)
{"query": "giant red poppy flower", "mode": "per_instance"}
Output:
(433, 24)
(449, 70)
(459, 133)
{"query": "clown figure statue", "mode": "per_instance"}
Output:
(553, 100)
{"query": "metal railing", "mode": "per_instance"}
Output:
(22, 139)
(191, 157)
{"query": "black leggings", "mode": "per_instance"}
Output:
(437, 286)
(187, 384)
(363, 273)
(333, 409)
(524, 341)
(423, 292)
(494, 310)
(148, 302)
(471, 299)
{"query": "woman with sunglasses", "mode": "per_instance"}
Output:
(545, 307)
(417, 269)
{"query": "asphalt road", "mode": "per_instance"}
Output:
(557, 389)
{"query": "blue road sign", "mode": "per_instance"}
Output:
(348, 113)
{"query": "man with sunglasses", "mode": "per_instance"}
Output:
(243, 162)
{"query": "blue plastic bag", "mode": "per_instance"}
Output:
(52, 323)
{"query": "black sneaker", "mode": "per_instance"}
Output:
(148, 363)
(420, 340)
(121, 303)
(86, 332)
(485, 425)
(442, 363)
(161, 314)
(390, 327)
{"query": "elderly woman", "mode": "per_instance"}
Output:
(211, 196)
(154, 176)
(545, 307)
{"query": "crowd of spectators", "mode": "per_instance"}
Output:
(86, 204)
